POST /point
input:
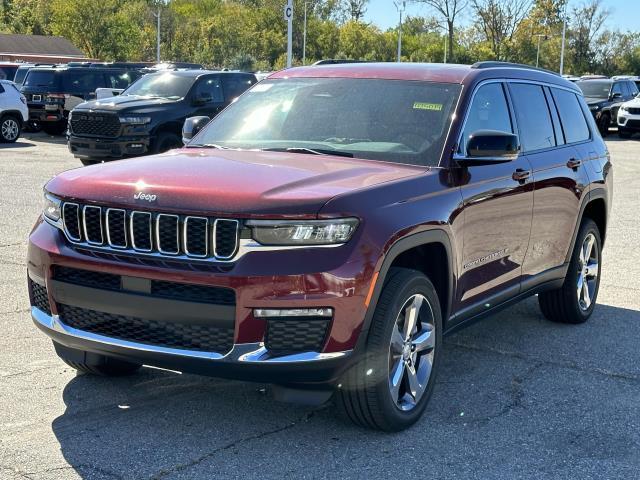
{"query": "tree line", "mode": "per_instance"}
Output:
(251, 34)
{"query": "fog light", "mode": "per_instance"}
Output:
(292, 312)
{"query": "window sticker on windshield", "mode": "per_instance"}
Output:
(427, 106)
(261, 87)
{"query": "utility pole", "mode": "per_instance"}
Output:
(157, 15)
(564, 32)
(288, 16)
(445, 49)
(400, 7)
(304, 36)
(540, 37)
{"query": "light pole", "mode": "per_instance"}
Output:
(540, 37)
(157, 15)
(288, 16)
(400, 7)
(564, 32)
(304, 36)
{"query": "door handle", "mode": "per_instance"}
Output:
(574, 163)
(521, 175)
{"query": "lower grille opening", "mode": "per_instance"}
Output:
(291, 335)
(39, 297)
(162, 334)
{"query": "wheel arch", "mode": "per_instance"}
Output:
(423, 246)
(13, 113)
(594, 207)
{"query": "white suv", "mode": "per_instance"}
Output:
(13, 111)
(629, 118)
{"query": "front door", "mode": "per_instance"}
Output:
(208, 96)
(497, 208)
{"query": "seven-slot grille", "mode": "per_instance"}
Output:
(634, 110)
(147, 232)
(95, 124)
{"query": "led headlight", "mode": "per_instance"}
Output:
(52, 207)
(135, 120)
(301, 232)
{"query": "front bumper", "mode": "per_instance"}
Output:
(278, 279)
(104, 148)
(628, 121)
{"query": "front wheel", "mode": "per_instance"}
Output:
(167, 141)
(389, 388)
(9, 129)
(604, 123)
(575, 300)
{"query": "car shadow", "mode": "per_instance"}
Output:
(16, 144)
(44, 137)
(158, 423)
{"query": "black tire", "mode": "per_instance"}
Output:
(562, 305)
(54, 128)
(95, 364)
(10, 128)
(364, 395)
(604, 123)
(622, 133)
(166, 141)
(89, 161)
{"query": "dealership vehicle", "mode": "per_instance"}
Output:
(324, 232)
(52, 92)
(148, 116)
(604, 98)
(8, 70)
(629, 118)
(13, 112)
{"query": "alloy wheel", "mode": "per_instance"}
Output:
(10, 129)
(411, 352)
(588, 273)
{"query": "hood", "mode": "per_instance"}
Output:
(593, 101)
(633, 103)
(127, 103)
(226, 182)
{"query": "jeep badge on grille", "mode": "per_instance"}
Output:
(149, 197)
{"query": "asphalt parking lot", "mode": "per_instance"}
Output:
(518, 397)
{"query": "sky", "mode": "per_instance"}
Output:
(625, 14)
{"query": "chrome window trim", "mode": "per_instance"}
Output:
(64, 221)
(133, 239)
(124, 219)
(215, 235)
(206, 236)
(157, 229)
(84, 224)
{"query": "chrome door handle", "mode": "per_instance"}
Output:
(574, 163)
(521, 175)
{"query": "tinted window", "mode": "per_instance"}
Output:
(532, 112)
(235, 85)
(165, 85)
(80, 81)
(488, 111)
(20, 74)
(633, 88)
(42, 78)
(121, 79)
(7, 72)
(617, 88)
(390, 120)
(574, 124)
(208, 89)
(595, 88)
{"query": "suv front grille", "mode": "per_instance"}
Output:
(149, 232)
(95, 124)
(39, 297)
(204, 338)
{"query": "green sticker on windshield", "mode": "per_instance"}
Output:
(427, 106)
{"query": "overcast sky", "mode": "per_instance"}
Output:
(625, 14)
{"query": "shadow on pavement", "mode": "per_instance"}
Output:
(17, 144)
(512, 389)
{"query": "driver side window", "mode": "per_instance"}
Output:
(488, 111)
(209, 90)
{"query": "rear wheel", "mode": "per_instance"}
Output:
(604, 123)
(575, 300)
(167, 141)
(9, 129)
(54, 128)
(95, 364)
(390, 386)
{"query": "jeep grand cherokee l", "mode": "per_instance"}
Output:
(327, 229)
(148, 116)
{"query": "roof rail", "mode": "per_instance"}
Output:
(496, 64)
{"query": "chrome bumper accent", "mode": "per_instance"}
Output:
(247, 353)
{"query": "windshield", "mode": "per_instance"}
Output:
(595, 88)
(164, 85)
(20, 74)
(390, 120)
(7, 72)
(41, 78)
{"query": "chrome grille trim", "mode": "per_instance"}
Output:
(84, 224)
(215, 236)
(124, 216)
(206, 236)
(168, 252)
(133, 237)
(64, 221)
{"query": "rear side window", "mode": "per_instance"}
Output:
(488, 111)
(80, 81)
(235, 85)
(574, 124)
(121, 79)
(534, 120)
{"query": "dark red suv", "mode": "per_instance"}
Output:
(326, 230)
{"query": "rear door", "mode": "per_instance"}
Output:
(497, 208)
(552, 127)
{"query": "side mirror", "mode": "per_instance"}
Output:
(202, 100)
(192, 126)
(616, 95)
(491, 146)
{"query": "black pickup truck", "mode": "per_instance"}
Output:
(148, 116)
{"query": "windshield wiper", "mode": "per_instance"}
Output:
(312, 151)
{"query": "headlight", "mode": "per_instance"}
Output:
(52, 206)
(624, 108)
(311, 232)
(135, 120)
